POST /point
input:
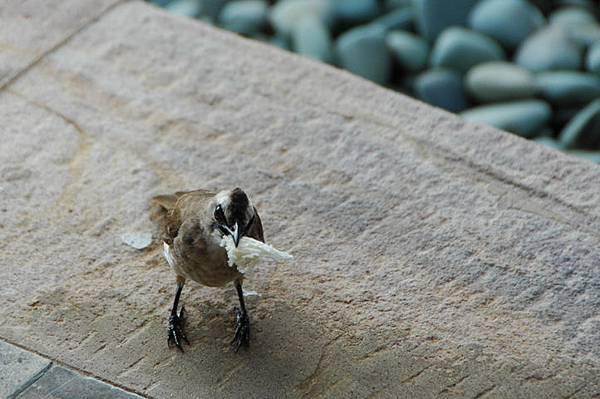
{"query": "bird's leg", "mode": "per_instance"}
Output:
(242, 321)
(176, 335)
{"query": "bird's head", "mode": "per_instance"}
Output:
(233, 213)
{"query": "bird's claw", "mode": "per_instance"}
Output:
(242, 330)
(176, 335)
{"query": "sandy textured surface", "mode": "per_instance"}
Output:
(32, 28)
(432, 258)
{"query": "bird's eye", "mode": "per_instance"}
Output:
(220, 215)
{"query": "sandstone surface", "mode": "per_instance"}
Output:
(433, 258)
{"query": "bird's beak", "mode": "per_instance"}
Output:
(236, 232)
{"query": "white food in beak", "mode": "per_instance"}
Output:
(249, 251)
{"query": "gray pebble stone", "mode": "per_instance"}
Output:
(245, 17)
(389, 5)
(568, 87)
(525, 118)
(579, 24)
(311, 38)
(210, 9)
(592, 62)
(584, 35)
(186, 8)
(286, 13)
(363, 51)
(401, 18)
(442, 88)
(460, 49)
(500, 81)
(409, 50)
(507, 21)
(571, 16)
(549, 49)
(355, 11)
(433, 16)
(583, 131)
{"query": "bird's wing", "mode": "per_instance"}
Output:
(165, 214)
(166, 211)
(256, 230)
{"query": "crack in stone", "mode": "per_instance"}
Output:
(575, 392)
(308, 382)
(485, 392)
(130, 366)
(417, 374)
(536, 379)
(135, 332)
(453, 385)
(99, 349)
(381, 349)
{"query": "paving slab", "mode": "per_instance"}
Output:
(24, 374)
(18, 368)
(61, 383)
(433, 258)
(31, 28)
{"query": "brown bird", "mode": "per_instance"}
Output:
(192, 225)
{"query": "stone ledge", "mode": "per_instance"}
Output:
(490, 286)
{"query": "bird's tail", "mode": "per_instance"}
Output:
(160, 207)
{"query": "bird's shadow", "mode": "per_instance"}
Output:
(285, 348)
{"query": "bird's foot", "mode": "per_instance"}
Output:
(176, 334)
(242, 330)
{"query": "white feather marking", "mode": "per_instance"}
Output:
(168, 256)
(223, 199)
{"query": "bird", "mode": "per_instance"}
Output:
(192, 225)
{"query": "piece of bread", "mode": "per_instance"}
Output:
(249, 251)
